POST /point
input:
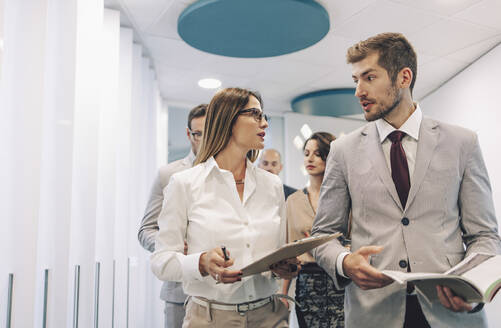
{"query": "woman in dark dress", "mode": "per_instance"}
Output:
(321, 304)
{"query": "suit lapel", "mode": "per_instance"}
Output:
(372, 147)
(428, 139)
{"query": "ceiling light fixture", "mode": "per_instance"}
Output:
(298, 142)
(306, 131)
(209, 83)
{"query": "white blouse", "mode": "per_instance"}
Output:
(202, 206)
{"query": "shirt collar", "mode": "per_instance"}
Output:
(211, 165)
(410, 127)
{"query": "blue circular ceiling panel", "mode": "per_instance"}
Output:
(253, 28)
(332, 102)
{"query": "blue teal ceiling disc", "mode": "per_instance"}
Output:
(331, 102)
(253, 28)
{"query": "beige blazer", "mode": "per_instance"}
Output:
(171, 291)
(449, 207)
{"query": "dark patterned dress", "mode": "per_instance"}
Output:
(322, 305)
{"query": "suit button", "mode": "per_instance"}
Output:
(405, 221)
(403, 264)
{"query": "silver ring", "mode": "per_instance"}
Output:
(217, 277)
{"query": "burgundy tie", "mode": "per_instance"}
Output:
(399, 167)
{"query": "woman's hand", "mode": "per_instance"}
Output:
(286, 303)
(285, 290)
(286, 269)
(213, 263)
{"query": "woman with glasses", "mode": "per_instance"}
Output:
(231, 213)
(321, 303)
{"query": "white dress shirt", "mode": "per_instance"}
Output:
(409, 143)
(202, 205)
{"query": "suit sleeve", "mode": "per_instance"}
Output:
(332, 213)
(478, 219)
(149, 224)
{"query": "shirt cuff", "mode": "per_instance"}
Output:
(339, 264)
(190, 267)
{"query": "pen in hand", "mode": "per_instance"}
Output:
(226, 257)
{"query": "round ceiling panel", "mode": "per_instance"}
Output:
(253, 28)
(331, 102)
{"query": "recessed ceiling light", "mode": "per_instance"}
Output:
(209, 83)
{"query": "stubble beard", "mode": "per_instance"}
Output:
(397, 98)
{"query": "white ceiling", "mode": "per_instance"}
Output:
(447, 34)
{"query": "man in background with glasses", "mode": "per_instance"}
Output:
(172, 292)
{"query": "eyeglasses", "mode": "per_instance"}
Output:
(255, 112)
(197, 135)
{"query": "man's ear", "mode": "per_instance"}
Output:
(404, 78)
(188, 133)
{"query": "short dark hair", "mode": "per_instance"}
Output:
(196, 112)
(395, 53)
(324, 140)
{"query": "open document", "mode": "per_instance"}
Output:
(286, 252)
(476, 279)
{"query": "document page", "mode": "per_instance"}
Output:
(287, 251)
(486, 275)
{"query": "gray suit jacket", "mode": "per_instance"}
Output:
(171, 291)
(449, 207)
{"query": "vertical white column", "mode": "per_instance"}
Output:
(1, 36)
(156, 304)
(136, 197)
(162, 135)
(124, 193)
(21, 111)
(106, 193)
(56, 164)
(85, 161)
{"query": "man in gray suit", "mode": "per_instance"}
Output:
(172, 292)
(418, 192)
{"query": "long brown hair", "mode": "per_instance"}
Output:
(222, 113)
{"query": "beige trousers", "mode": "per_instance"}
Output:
(272, 315)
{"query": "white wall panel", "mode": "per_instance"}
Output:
(83, 132)
(137, 200)
(21, 112)
(56, 164)
(123, 178)
(106, 179)
(85, 158)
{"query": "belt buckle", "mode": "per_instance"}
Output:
(242, 308)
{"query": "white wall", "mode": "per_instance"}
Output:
(293, 159)
(471, 100)
(82, 120)
(1, 35)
